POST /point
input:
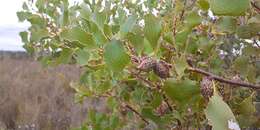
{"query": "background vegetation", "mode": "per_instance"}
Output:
(38, 98)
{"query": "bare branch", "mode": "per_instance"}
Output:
(136, 112)
(224, 80)
(152, 86)
(255, 7)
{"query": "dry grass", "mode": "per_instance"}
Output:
(33, 97)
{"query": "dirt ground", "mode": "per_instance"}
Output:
(36, 98)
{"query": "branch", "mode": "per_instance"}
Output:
(137, 113)
(221, 79)
(182, 12)
(255, 6)
(148, 82)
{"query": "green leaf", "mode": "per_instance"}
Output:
(64, 17)
(246, 107)
(247, 111)
(219, 114)
(108, 30)
(152, 29)
(24, 36)
(100, 19)
(40, 4)
(157, 100)
(179, 5)
(77, 34)
(193, 19)
(65, 56)
(137, 41)
(98, 34)
(180, 65)
(23, 15)
(114, 121)
(147, 112)
(181, 90)
(226, 24)
(128, 25)
(152, 3)
(229, 7)
(252, 73)
(25, 6)
(115, 56)
(241, 65)
(37, 20)
(148, 49)
(203, 4)
(37, 34)
(182, 36)
(248, 31)
(85, 11)
(168, 37)
(121, 16)
(139, 95)
(112, 103)
(82, 56)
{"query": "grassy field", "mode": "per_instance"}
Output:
(33, 97)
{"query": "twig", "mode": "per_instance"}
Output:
(255, 6)
(153, 86)
(255, 42)
(168, 47)
(221, 79)
(182, 12)
(166, 100)
(174, 26)
(137, 113)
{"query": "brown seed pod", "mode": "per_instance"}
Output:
(162, 69)
(206, 87)
(146, 64)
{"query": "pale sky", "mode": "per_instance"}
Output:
(9, 25)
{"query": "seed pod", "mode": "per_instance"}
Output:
(206, 87)
(162, 69)
(146, 64)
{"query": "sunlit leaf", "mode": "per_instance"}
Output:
(77, 34)
(152, 29)
(181, 90)
(203, 4)
(168, 37)
(38, 34)
(182, 36)
(100, 19)
(65, 56)
(248, 31)
(128, 25)
(229, 7)
(180, 65)
(137, 41)
(226, 24)
(193, 19)
(24, 36)
(220, 115)
(98, 34)
(241, 65)
(82, 56)
(115, 56)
